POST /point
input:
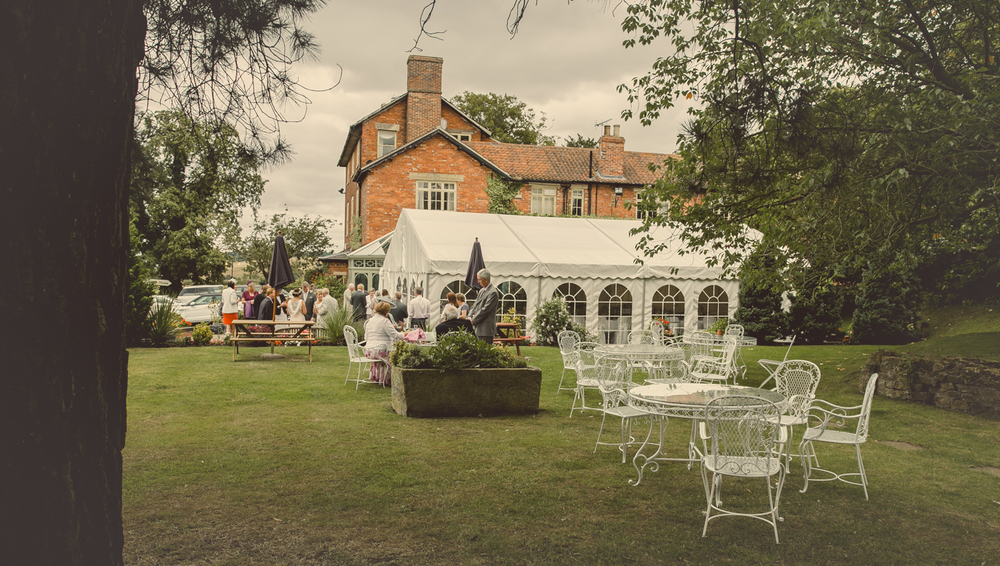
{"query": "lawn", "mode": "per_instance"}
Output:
(279, 462)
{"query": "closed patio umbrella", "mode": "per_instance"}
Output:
(476, 263)
(280, 273)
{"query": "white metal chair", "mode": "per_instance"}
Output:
(741, 438)
(718, 370)
(700, 346)
(797, 381)
(567, 340)
(613, 383)
(823, 421)
(354, 355)
(737, 332)
(643, 337)
(771, 365)
(658, 328)
(586, 376)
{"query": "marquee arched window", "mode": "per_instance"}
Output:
(458, 287)
(512, 296)
(614, 313)
(713, 304)
(576, 302)
(668, 304)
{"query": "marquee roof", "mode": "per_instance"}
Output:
(434, 241)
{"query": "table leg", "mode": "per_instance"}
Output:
(652, 460)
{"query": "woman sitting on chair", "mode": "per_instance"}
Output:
(379, 332)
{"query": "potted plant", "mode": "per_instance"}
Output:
(719, 326)
(462, 376)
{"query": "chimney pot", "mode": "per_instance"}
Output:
(617, 129)
(607, 130)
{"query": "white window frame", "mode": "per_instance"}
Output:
(445, 193)
(384, 149)
(576, 202)
(543, 200)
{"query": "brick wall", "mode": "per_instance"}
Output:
(390, 187)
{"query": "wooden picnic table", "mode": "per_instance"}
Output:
(247, 330)
(509, 333)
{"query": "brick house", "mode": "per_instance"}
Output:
(420, 151)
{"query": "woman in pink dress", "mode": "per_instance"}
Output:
(248, 297)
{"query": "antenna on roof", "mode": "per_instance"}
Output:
(599, 124)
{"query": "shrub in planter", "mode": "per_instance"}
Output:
(202, 334)
(462, 376)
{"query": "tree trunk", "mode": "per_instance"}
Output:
(67, 99)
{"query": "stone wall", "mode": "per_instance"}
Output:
(959, 384)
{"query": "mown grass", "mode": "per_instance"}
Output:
(279, 462)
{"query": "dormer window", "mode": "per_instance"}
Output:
(461, 135)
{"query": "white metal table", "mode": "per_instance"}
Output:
(649, 356)
(682, 400)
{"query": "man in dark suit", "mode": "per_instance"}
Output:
(358, 298)
(452, 323)
(266, 310)
(398, 311)
(310, 298)
(484, 313)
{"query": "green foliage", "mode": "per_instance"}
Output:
(581, 141)
(720, 324)
(502, 194)
(815, 314)
(332, 331)
(355, 239)
(760, 311)
(835, 128)
(305, 240)
(138, 293)
(163, 324)
(506, 117)
(202, 334)
(455, 350)
(229, 61)
(191, 182)
(551, 318)
(885, 311)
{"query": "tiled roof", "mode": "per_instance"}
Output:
(562, 164)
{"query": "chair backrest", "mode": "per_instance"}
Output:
(658, 329)
(642, 337)
(797, 381)
(700, 343)
(743, 432)
(734, 330)
(866, 408)
(612, 377)
(567, 341)
(351, 337)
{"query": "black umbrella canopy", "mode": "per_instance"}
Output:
(475, 264)
(281, 269)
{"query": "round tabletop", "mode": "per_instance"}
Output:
(688, 400)
(641, 351)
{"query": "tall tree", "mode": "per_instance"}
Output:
(67, 103)
(191, 182)
(837, 128)
(305, 240)
(506, 117)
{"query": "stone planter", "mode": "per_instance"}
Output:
(465, 393)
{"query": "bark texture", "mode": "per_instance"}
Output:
(67, 98)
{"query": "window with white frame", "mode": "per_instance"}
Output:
(648, 209)
(576, 202)
(461, 136)
(576, 302)
(543, 200)
(668, 305)
(386, 142)
(713, 304)
(434, 195)
(614, 313)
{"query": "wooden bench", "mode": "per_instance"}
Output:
(509, 333)
(267, 331)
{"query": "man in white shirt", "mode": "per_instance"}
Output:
(347, 295)
(419, 310)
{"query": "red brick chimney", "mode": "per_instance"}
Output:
(423, 89)
(611, 160)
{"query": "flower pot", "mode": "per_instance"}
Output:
(465, 393)
(719, 332)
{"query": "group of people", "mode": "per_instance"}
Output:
(381, 333)
(303, 305)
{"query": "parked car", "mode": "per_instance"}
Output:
(203, 308)
(160, 300)
(188, 294)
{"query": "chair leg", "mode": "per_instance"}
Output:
(350, 363)
(561, 378)
(861, 469)
(805, 447)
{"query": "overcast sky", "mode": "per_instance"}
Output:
(566, 61)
